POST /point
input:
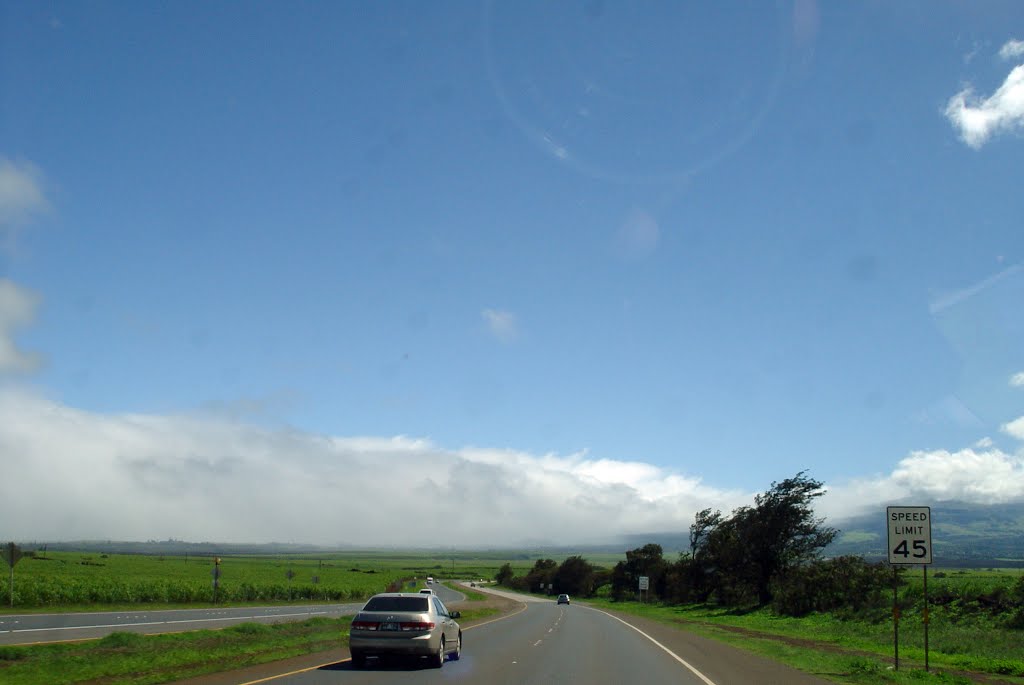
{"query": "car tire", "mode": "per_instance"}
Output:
(358, 660)
(437, 660)
(457, 654)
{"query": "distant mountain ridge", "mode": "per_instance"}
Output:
(963, 534)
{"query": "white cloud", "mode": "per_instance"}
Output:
(140, 477)
(1017, 380)
(978, 119)
(984, 443)
(638, 235)
(1014, 428)
(979, 475)
(969, 56)
(17, 309)
(21, 196)
(503, 325)
(145, 476)
(1012, 49)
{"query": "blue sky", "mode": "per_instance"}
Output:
(711, 246)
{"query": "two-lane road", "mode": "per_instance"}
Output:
(548, 643)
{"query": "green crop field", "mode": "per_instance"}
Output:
(84, 580)
(69, 578)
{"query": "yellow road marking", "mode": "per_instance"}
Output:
(52, 642)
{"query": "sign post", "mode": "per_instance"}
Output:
(645, 584)
(910, 542)
(12, 554)
(216, 577)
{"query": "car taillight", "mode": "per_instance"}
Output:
(365, 625)
(416, 625)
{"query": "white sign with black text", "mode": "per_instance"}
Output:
(910, 534)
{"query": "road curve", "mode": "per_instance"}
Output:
(548, 643)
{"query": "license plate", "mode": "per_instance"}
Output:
(389, 626)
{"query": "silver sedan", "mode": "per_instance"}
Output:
(405, 624)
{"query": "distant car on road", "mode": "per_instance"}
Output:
(430, 579)
(397, 623)
(427, 591)
(563, 599)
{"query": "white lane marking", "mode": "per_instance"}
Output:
(537, 642)
(101, 613)
(155, 623)
(668, 651)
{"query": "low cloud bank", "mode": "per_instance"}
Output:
(71, 474)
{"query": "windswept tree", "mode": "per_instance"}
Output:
(541, 575)
(783, 531)
(505, 574)
(575, 576)
(739, 556)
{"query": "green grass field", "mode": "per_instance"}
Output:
(81, 581)
(64, 579)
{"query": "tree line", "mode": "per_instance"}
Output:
(767, 554)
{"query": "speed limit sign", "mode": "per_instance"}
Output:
(910, 534)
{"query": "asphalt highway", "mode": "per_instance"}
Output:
(41, 628)
(538, 642)
(542, 642)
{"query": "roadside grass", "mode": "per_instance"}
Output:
(477, 614)
(472, 596)
(473, 614)
(850, 650)
(149, 659)
(125, 657)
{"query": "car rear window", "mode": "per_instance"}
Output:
(397, 604)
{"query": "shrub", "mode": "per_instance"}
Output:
(251, 629)
(122, 639)
(844, 585)
(13, 653)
